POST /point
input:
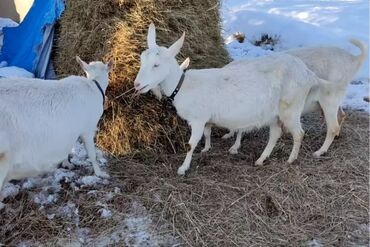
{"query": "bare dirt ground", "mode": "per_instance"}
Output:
(223, 201)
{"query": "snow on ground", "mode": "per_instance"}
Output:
(294, 23)
(135, 228)
(355, 94)
(301, 23)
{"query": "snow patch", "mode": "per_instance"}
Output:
(105, 213)
(135, 229)
(43, 198)
(91, 180)
(301, 23)
(9, 190)
(356, 91)
(314, 243)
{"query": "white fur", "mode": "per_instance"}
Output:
(41, 120)
(252, 94)
(332, 64)
(157, 90)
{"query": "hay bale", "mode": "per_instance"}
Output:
(96, 30)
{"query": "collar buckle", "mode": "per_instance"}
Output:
(177, 89)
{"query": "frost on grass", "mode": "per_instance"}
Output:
(135, 229)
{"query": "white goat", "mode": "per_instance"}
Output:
(157, 90)
(41, 120)
(331, 64)
(250, 95)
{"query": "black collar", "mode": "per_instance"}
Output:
(100, 89)
(172, 97)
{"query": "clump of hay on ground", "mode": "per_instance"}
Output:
(96, 30)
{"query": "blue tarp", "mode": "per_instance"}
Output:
(24, 44)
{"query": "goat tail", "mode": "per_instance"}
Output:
(363, 47)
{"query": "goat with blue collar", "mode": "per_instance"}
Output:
(41, 120)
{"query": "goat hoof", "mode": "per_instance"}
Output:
(291, 160)
(233, 150)
(102, 174)
(317, 154)
(205, 149)
(181, 171)
(2, 205)
(258, 163)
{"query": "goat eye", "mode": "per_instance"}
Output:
(156, 65)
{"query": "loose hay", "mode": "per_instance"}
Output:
(224, 200)
(96, 29)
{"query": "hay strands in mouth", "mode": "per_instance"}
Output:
(124, 93)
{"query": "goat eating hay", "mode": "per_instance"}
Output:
(116, 29)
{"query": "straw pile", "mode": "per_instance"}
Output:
(100, 30)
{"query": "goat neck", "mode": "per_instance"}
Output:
(101, 79)
(169, 84)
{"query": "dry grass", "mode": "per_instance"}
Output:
(96, 30)
(225, 200)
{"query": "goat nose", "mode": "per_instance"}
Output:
(136, 84)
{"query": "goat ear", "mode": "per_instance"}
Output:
(151, 36)
(81, 63)
(185, 64)
(175, 48)
(110, 64)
